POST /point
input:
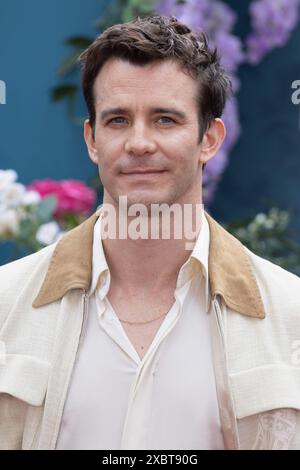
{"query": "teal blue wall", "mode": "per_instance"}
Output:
(37, 138)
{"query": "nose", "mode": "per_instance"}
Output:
(139, 140)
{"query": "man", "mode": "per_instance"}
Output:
(150, 342)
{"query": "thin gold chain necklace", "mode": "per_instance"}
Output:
(141, 322)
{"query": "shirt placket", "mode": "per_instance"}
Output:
(137, 419)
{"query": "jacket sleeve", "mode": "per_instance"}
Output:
(12, 410)
(12, 419)
(26, 339)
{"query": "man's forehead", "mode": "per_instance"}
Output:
(163, 77)
(154, 67)
(155, 81)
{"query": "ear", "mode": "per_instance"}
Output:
(212, 140)
(89, 140)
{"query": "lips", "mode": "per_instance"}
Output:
(143, 172)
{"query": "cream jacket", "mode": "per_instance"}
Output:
(255, 324)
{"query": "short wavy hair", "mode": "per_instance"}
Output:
(153, 38)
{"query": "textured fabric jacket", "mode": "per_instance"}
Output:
(255, 327)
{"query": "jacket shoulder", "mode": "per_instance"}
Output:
(272, 274)
(22, 265)
(263, 353)
(17, 275)
(280, 289)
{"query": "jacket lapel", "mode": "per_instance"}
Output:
(230, 271)
(231, 274)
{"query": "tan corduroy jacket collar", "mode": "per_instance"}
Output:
(230, 272)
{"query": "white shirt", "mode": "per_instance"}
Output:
(168, 399)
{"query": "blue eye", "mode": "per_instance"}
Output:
(121, 120)
(114, 120)
(167, 117)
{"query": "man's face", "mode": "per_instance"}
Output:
(146, 121)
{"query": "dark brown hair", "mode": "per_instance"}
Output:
(155, 38)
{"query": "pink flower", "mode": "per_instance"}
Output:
(72, 196)
(75, 196)
(44, 187)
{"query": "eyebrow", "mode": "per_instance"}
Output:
(112, 111)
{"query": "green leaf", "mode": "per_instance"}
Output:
(112, 14)
(81, 42)
(136, 8)
(60, 92)
(69, 64)
(26, 230)
(46, 208)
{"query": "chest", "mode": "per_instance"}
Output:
(168, 400)
(141, 317)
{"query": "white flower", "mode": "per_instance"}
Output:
(269, 224)
(48, 233)
(30, 198)
(7, 177)
(13, 194)
(260, 218)
(9, 222)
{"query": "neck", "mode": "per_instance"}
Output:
(152, 263)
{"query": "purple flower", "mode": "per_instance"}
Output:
(231, 119)
(166, 7)
(215, 166)
(230, 49)
(192, 12)
(272, 23)
(219, 18)
(212, 175)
